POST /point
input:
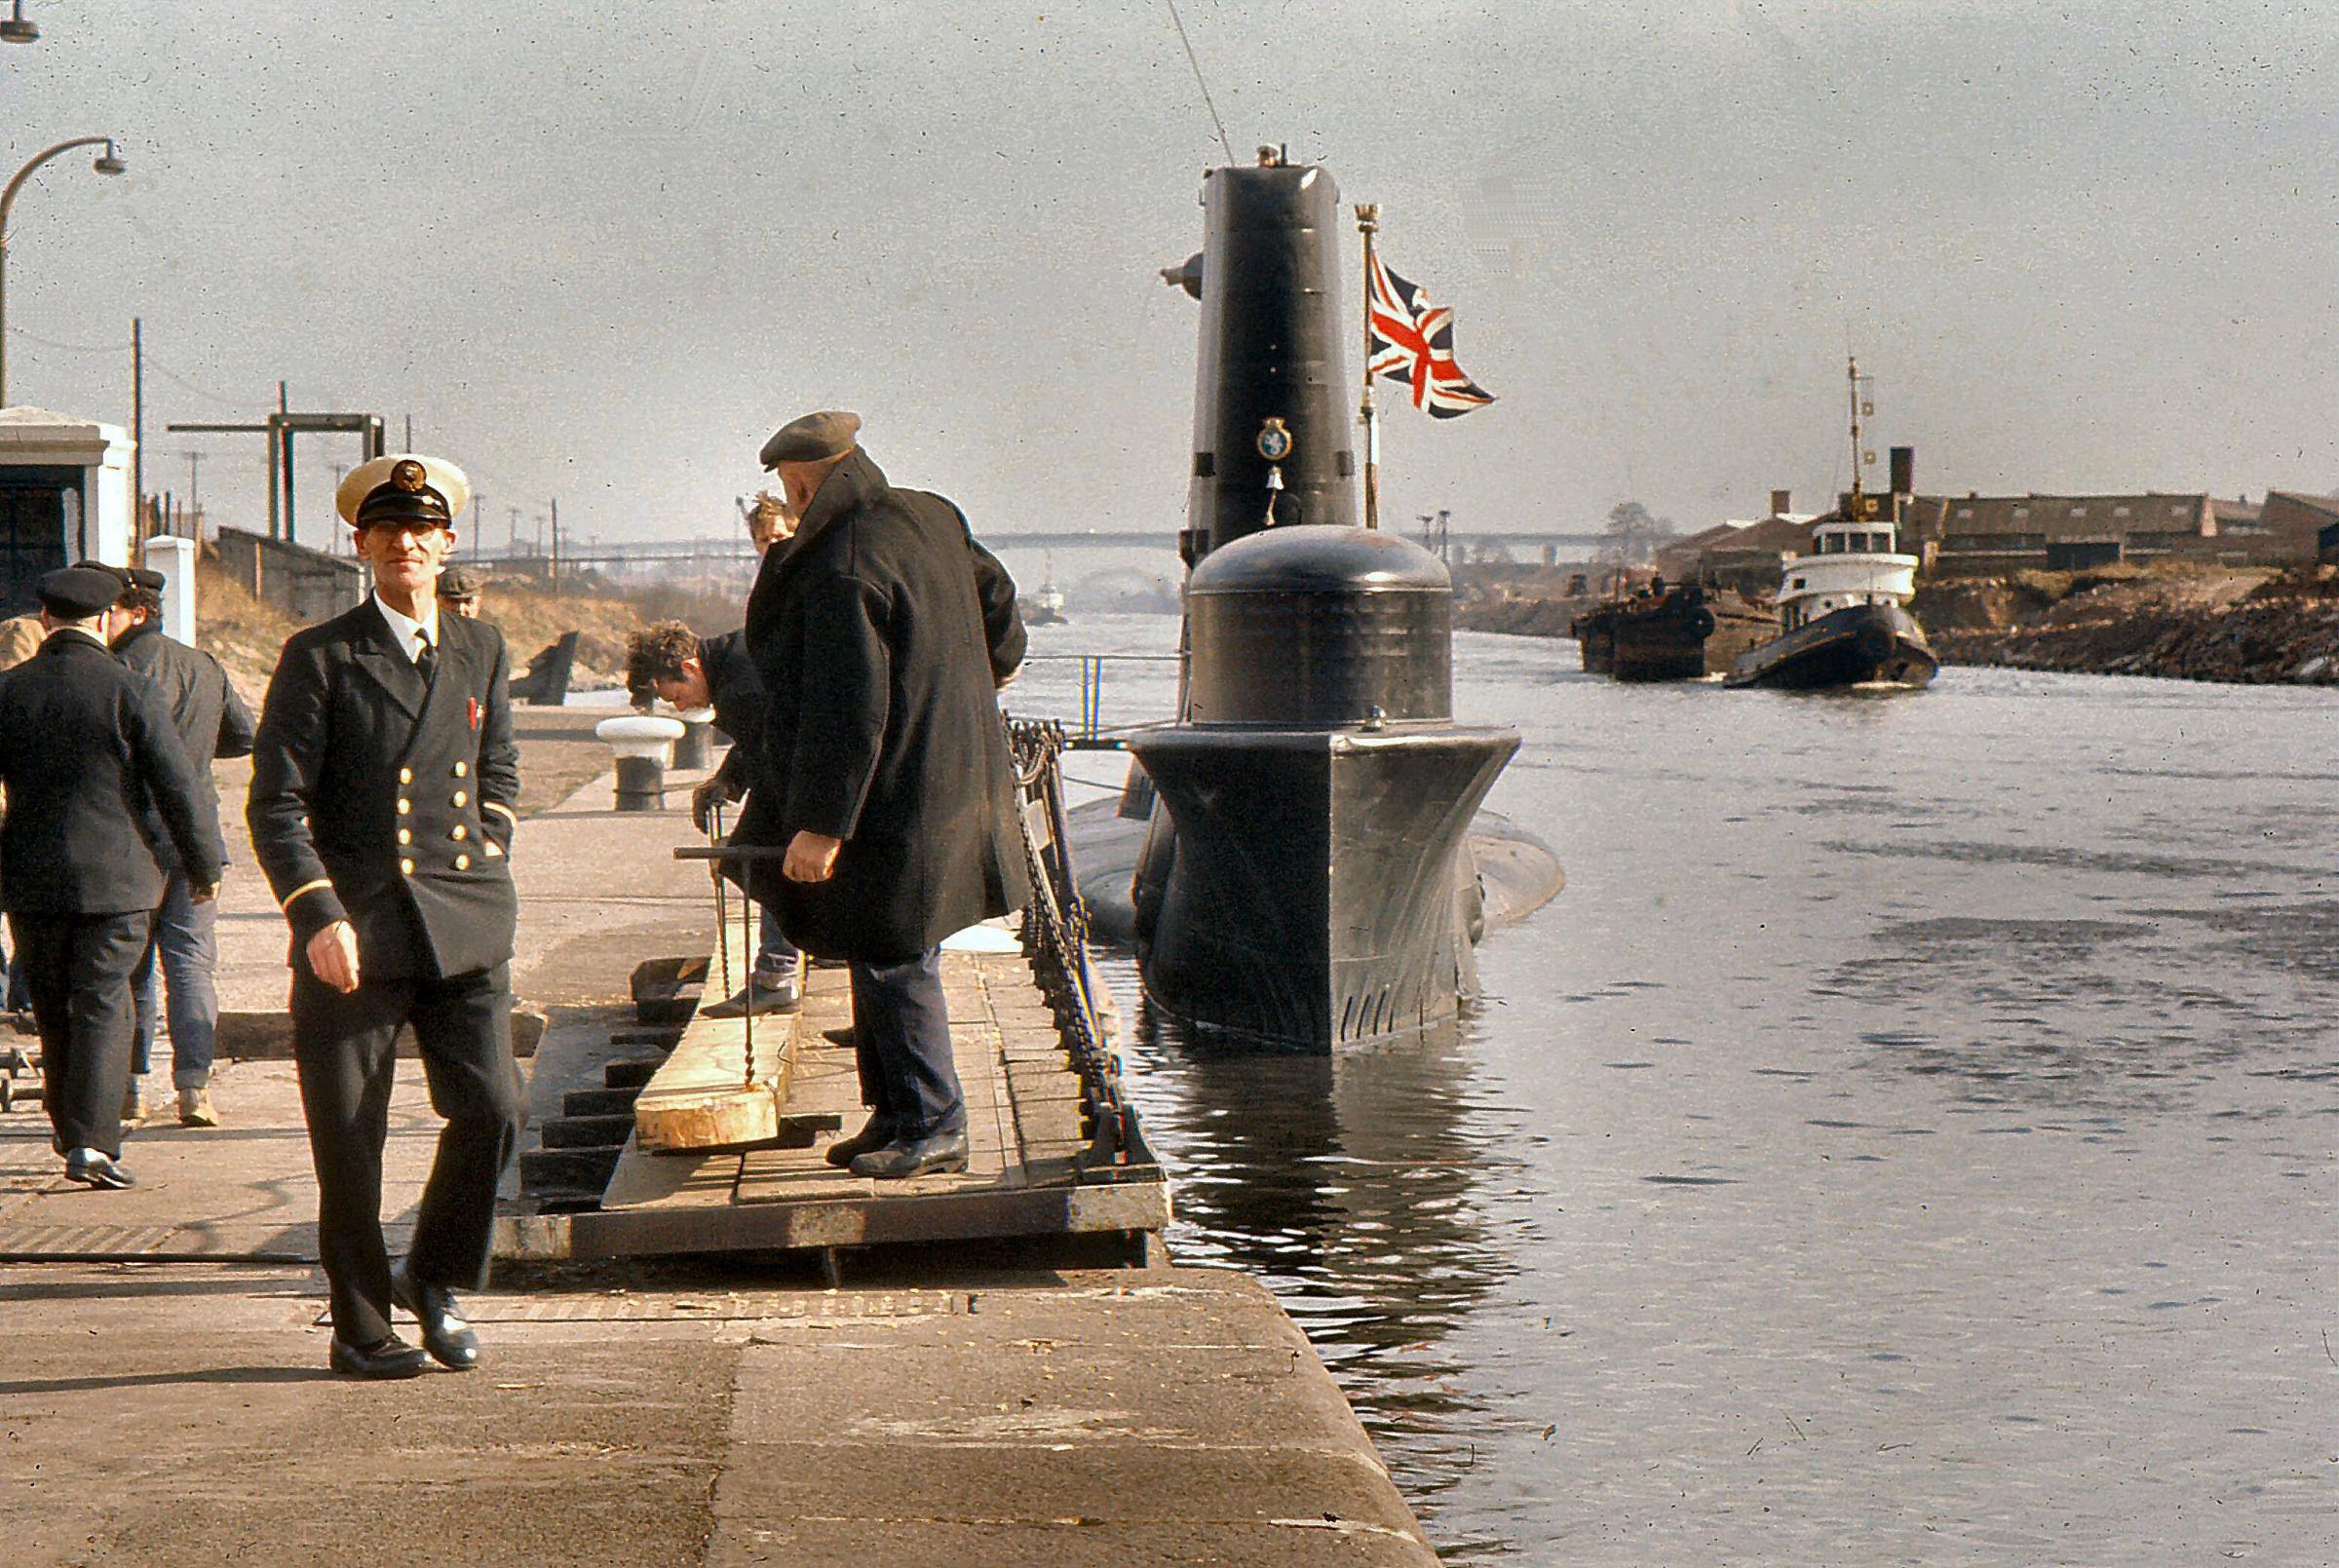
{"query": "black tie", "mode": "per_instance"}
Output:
(426, 656)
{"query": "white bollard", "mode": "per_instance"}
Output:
(643, 745)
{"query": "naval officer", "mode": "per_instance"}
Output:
(382, 811)
(87, 748)
(881, 634)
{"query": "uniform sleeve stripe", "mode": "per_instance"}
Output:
(305, 887)
(499, 806)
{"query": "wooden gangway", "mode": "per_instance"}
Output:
(1038, 1165)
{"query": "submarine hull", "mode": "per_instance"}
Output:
(1309, 898)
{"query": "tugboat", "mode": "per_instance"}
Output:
(1685, 631)
(1842, 609)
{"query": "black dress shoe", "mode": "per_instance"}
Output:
(392, 1358)
(876, 1134)
(450, 1340)
(94, 1169)
(915, 1157)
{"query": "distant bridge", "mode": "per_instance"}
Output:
(1518, 544)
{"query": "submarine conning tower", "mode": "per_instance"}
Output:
(1306, 882)
(1270, 352)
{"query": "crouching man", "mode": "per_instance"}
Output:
(382, 811)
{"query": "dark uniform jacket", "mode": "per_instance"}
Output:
(735, 690)
(87, 752)
(387, 803)
(879, 660)
(211, 720)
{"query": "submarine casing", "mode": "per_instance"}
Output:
(1306, 885)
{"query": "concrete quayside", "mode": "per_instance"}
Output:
(978, 1389)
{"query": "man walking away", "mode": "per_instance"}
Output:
(382, 809)
(211, 721)
(669, 661)
(894, 791)
(89, 748)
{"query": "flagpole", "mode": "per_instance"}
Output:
(1368, 224)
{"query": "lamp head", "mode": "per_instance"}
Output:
(16, 30)
(108, 164)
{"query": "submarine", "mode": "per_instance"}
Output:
(1299, 860)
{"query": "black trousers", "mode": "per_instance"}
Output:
(77, 970)
(901, 1042)
(344, 1049)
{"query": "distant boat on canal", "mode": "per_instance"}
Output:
(1843, 616)
(1047, 605)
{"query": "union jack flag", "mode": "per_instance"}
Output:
(1413, 342)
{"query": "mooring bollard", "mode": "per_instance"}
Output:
(642, 745)
(696, 748)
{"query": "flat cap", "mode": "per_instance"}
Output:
(403, 487)
(145, 577)
(77, 593)
(458, 582)
(812, 439)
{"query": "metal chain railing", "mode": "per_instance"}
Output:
(1055, 935)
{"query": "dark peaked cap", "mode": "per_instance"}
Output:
(77, 593)
(812, 439)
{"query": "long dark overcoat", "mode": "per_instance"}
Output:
(387, 801)
(90, 756)
(880, 636)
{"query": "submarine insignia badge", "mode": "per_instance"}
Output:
(1274, 441)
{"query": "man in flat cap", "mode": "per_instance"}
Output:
(382, 809)
(881, 635)
(92, 752)
(459, 591)
(212, 722)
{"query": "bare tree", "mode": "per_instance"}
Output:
(1633, 533)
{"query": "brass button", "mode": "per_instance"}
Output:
(462, 862)
(405, 835)
(404, 806)
(406, 866)
(462, 768)
(406, 776)
(462, 799)
(458, 831)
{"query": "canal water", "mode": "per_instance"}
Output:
(1909, 1138)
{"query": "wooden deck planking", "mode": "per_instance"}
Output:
(1023, 1113)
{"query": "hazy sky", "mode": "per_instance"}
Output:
(599, 251)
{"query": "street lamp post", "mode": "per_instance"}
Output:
(107, 163)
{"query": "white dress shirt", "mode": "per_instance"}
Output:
(408, 633)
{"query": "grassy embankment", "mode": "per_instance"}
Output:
(244, 634)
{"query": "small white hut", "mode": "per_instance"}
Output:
(64, 496)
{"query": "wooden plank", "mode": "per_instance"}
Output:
(704, 1096)
(685, 1181)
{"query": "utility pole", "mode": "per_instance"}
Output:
(410, 446)
(511, 546)
(194, 479)
(555, 566)
(137, 427)
(475, 525)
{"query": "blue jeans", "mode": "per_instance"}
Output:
(186, 936)
(775, 955)
(901, 1035)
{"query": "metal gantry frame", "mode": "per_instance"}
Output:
(280, 428)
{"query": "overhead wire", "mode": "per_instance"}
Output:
(1208, 101)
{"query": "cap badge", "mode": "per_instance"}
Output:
(409, 475)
